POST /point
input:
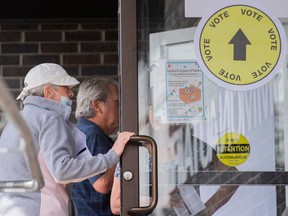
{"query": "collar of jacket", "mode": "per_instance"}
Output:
(49, 104)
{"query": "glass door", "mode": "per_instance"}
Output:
(220, 151)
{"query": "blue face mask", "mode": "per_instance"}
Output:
(66, 101)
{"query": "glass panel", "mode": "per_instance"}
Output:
(220, 152)
(144, 178)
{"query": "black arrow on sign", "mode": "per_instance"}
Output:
(240, 41)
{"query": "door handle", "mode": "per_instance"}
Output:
(154, 195)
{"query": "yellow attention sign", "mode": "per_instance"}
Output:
(233, 149)
(240, 45)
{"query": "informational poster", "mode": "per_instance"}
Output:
(184, 88)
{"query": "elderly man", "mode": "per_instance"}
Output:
(97, 113)
(61, 147)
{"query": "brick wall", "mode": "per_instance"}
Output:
(83, 47)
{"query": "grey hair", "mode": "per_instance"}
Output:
(96, 88)
(39, 91)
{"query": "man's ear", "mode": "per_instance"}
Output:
(97, 106)
(48, 92)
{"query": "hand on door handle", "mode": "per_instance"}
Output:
(121, 142)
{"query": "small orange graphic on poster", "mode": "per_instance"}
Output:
(190, 94)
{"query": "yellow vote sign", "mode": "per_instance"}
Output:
(240, 46)
(233, 149)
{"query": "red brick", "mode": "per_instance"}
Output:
(81, 59)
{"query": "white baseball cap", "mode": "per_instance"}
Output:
(46, 73)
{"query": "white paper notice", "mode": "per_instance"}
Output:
(184, 89)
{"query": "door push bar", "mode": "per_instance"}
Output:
(154, 198)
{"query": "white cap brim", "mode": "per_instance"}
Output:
(64, 81)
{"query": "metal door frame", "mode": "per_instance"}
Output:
(128, 78)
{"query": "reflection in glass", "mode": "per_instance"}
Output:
(192, 172)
